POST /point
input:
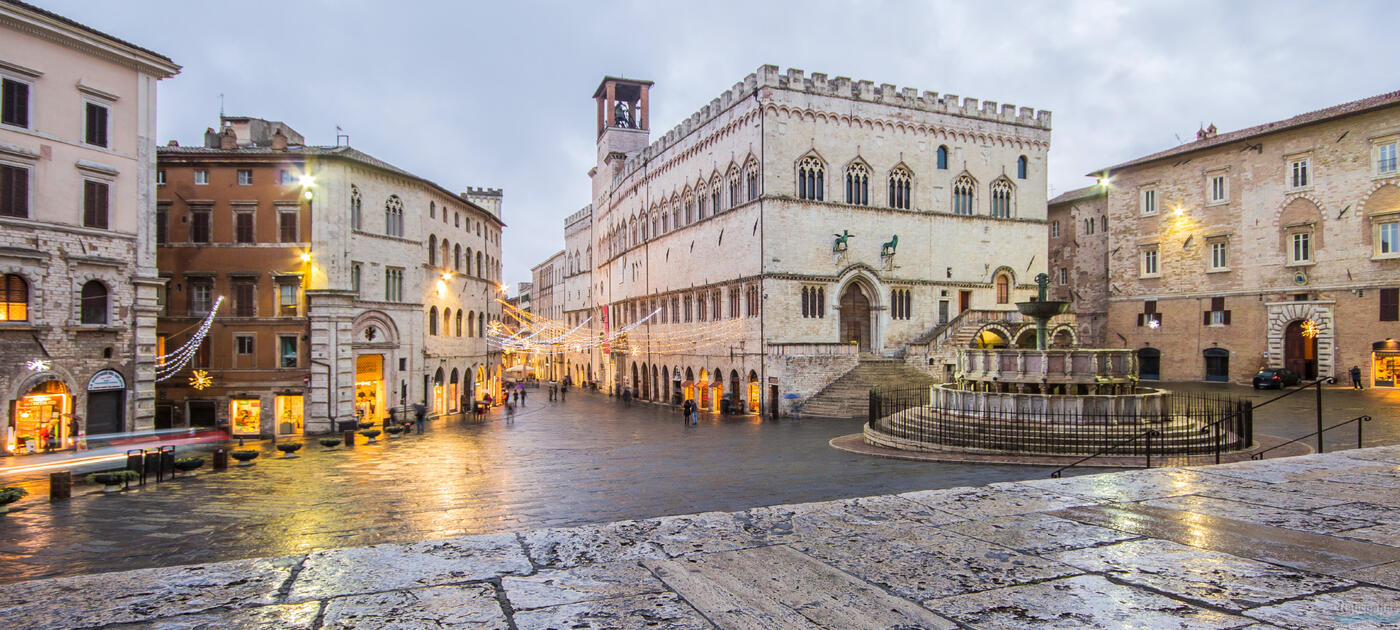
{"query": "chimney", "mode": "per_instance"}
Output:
(1200, 134)
(279, 141)
(228, 139)
(173, 143)
(1210, 131)
(211, 138)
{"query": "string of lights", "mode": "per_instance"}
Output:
(170, 364)
(532, 333)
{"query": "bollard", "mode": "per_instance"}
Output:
(220, 459)
(349, 439)
(60, 485)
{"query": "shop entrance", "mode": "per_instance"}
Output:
(1385, 363)
(201, 413)
(39, 420)
(753, 392)
(369, 387)
(289, 414)
(105, 411)
(1149, 364)
(1300, 351)
(1217, 364)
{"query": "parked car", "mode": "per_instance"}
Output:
(1270, 378)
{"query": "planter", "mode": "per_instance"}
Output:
(329, 442)
(365, 424)
(393, 430)
(187, 465)
(289, 449)
(9, 495)
(370, 433)
(112, 480)
(245, 457)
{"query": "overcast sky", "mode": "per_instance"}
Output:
(499, 94)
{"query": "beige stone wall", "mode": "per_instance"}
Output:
(1084, 258)
(1337, 207)
(777, 243)
(66, 67)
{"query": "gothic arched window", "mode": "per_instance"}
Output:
(700, 193)
(963, 189)
(446, 253)
(900, 183)
(751, 178)
(459, 323)
(715, 206)
(1003, 284)
(734, 198)
(810, 179)
(432, 249)
(468, 270)
(943, 157)
(457, 257)
(1021, 167)
(355, 215)
(858, 184)
(480, 271)
(393, 216)
(1001, 198)
(432, 321)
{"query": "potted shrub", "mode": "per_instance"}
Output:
(187, 465)
(393, 430)
(245, 456)
(365, 424)
(112, 480)
(289, 449)
(329, 442)
(9, 495)
(370, 433)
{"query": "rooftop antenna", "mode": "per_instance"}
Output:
(221, 105)
(339, 134)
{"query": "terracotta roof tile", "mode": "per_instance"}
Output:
(1336, 111)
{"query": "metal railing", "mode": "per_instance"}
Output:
(1359, 420)
(1187, 424)
(1146, 437)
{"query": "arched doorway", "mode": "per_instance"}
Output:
(736, 405)
(688, 387)
(656, 384)
(646, 382)
(1025, 340)
(633, 383)
(1300, 349)
(991, 337)
(439, 395)
(716, 390)
(703, 384)
(454, 390)
(1149, 364)
(1217, 364)
(39, 420)
(753, 392)
(855, 316)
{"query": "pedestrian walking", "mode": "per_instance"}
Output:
(694, 413)
(420, 415)
(554, 391)
(510, 413)
(563, 391)
(685, 411)
(522, 395)
(627, 397)
(1355, 376)
(515, 394)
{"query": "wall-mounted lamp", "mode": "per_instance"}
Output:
(306, 257)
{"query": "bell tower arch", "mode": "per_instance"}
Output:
(624, 124)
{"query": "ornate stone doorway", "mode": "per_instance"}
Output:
(855, 316)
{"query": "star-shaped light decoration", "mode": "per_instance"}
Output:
(1310, 328)
(39, 365)
(201, 379)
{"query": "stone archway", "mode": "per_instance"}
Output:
(1300, 350)
(856, 317)
(1282, 317)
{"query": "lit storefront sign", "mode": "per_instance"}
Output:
(246, 416)
(41, 420)
(106, 380)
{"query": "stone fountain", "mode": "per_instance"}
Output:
(1041, 310)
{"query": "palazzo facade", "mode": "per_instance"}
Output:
(794, 225)
(1272, 246)
(352, 287)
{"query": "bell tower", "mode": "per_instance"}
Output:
(624, 124)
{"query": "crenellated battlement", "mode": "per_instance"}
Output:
(483, 192)
(585, 213)
(840, 87)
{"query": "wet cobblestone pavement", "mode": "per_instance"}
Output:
(1135, 549)
(587, 460)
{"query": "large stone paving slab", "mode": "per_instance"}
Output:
(391, 567)
(994, 500)
(1038, 534)
(1364, 607)
(554, 587)
(289, 617)
(1075, 603)
(1134, 485)
(561, 548)
(777, 587)
(1312, 522)
(931, 564)
(457, 607)
(1207, 577)
(887, 515)
(142, 595)
(664, 610)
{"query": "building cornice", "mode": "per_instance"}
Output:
(33, 21)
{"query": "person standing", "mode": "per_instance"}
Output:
(685, 411)
(563, 391)
(1355, 376)
(420, 414)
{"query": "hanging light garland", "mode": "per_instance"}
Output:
(170, 364)
(520, 331)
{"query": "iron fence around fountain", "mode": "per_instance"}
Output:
(1187, 424)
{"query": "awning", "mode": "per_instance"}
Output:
(687, 383)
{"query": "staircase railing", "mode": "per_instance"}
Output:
(1359, 420)
(1145, 436)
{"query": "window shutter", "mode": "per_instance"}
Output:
(1206, 319)
(1140, 316)
(1217, 304)
(89, 209)
(1390, 305)
(1227, 318)
(101, 205)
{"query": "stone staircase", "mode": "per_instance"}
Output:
(849, 395)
